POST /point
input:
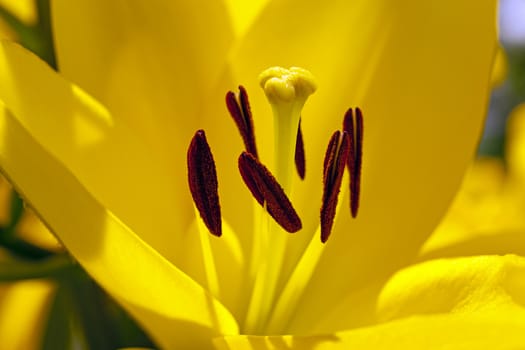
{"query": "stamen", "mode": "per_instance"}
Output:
(265, 189)
(300, 163)
(239, 108)
(334, 165)
(354, 127)
(202, 178)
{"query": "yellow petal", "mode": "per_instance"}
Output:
(477, 214)
(156, 65)
(469, 303)
(152, 64)
(480, 286)
(167, 54)
(423, 92)
(487, 215)
(170, 305)
(227, 258)
(487, 286)
(31, 229)
(23, 313)
(244, 13)
(102, 151)
(433, 333)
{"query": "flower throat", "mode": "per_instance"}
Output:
(287, 90)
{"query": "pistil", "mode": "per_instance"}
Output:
(287, 91)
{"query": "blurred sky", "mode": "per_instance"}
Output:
(512, 22)
(507, 96)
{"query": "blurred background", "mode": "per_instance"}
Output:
(509, 73)
(48, 302)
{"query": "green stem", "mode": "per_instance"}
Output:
(89, 306)
(83, 317)
(23, 249)
(13, 21)
(15, 244)
(52, 267)
(38, 37)
(17, 210)
(45, 30)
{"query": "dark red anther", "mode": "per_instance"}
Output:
(354, 127)
(265, 188)
(300, 163)
(334, 165)
(202, 178)
(240, 111)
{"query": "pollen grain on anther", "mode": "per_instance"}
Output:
(202, 179)
(300, 162)
(353, 124)
(265, 188)
(334, 164)
(239, 108)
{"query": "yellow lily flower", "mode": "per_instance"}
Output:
(101, 154)
(24, 308)
(487, 214)
(24, 305)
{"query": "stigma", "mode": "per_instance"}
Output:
(287, 91)
(283, 85)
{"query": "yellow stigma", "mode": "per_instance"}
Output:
(287, 91)
(286, 85)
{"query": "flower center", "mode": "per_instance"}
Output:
(287, 91)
